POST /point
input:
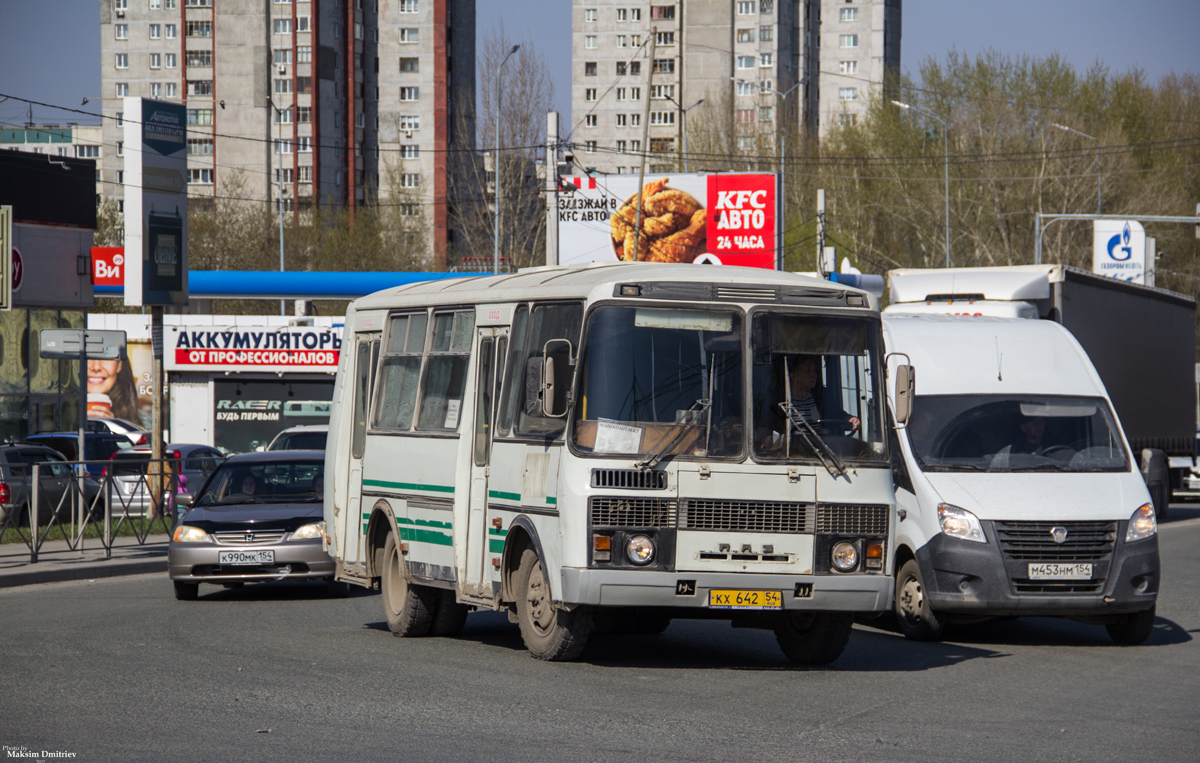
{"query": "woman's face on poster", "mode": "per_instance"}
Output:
(102, 375)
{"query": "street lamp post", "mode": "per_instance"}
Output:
(946, 147)
(1064, 128)
(279, 174)
(496, 166)
(782, 204)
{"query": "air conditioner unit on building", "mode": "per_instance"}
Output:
(408, 133)
(120, 14)
(281, 69)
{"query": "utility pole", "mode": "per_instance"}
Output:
(551, 187)
(820, 228)
(637, 228)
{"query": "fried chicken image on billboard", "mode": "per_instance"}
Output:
(672, 226)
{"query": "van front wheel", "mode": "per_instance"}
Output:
(1134, 629)
(916, 619)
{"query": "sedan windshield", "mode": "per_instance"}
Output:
(270, 482)
(661, 382)
(1000, 433)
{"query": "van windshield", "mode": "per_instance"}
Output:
(1026, 433)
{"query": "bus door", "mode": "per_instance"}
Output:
(366, 352)
(493, 346)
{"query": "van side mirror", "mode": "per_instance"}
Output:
(549, 379)
(906, 387)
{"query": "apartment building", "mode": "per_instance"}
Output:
(55, 141)
(312, 101)
(764, 65)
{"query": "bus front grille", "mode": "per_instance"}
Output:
(629, 479)
(632, 512)
(850, 519)
(747, 516)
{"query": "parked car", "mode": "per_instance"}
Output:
(16, 488)
(303, 437)
(138, 435)
(258, 518)
(98, 447)
(129, 471)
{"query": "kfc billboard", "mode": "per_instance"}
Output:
(725, 219)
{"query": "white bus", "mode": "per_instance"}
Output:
(610, 447)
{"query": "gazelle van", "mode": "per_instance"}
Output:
(1016, 490)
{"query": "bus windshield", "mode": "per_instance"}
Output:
(1002, 433)
(666, 381)
(816, 389)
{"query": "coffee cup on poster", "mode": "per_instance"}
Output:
(99, 406)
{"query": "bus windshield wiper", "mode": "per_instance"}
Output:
(805, 430)
(682, 425)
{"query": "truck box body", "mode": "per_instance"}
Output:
(1140, 339)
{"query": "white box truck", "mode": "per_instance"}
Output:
(1016, 491)
(1140, 339)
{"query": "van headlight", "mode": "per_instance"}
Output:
(1142, 524)
(309, 531)
(960, 523)
(189, 534)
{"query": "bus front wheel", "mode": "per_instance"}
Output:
(814, 638)
(408, 608)
(549, 633)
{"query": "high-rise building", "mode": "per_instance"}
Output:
(762, 64)
(324, 99)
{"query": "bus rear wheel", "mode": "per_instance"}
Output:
(549, 633)
(814, 638)
(409, 608)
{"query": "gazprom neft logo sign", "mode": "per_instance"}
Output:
(1119, 250)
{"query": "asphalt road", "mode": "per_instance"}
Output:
(116, 669)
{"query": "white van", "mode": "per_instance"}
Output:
(1015, 487)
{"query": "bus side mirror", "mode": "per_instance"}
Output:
(549, 379)
(906, 387)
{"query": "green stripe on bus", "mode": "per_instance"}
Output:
(551, 500)
(409, 486)
(424, 531)
(504, 496)
(496, 541)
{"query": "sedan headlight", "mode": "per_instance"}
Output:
(960, 523)
(1142, 524)
(313, 530)
(189, 534)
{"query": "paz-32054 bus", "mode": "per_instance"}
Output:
(613, 446)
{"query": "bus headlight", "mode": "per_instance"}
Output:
(1142, 524)
(845, 556)
(639, 549)
(960, 523)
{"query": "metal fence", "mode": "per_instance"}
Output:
(131, 504)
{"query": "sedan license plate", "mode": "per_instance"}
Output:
(727, 599)
(264, 556)
(1052, 571)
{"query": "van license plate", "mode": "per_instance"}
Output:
(726, 599)
(265, 556)
(1050, 571)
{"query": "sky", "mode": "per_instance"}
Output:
(50, 49)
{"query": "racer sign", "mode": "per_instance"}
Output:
(252, 348)
(725, 219)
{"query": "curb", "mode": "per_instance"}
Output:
(90, 570)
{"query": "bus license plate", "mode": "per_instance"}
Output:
(1050, 571)
(264, 556)
(726, 599)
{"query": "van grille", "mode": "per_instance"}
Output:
(631, 512)
(1031, 541)
(629, 479)
(749, 516)
(849, 519)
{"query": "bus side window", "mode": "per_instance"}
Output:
(446, 371)
(513, 383)
(553, 321)
(400, 373)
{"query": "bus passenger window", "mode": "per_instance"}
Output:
(446, 371)
(401, 370)
(511, 381)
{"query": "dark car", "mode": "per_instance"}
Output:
(16, 483)
(98, 447)
(258, 518)
(302, 437)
